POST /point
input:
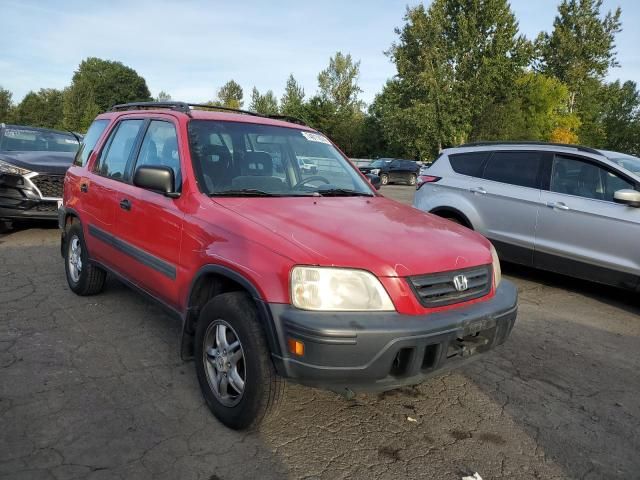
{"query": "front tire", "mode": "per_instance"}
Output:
(84, 278)
(233, 363)
(384, 179)
(412, 179)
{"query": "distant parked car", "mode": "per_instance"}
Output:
(568, 209)
(391, 170)
(361, 162)
(307, 166)
(33, 162)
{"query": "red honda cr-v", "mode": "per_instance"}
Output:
(274, 271)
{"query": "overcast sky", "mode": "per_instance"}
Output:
(190, 48)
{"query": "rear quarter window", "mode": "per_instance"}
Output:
(89, 142)
(468, 163)
(515, 168)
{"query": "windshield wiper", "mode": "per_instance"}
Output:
(243, 192)
(342, 192)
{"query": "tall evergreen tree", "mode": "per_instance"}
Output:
(266, 104)
(292, 102)
(230, 95)
(5, 105)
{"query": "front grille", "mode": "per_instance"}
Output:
(438, 289)
(46, 207)
(49, 185)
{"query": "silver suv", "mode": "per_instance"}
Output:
(568, 209)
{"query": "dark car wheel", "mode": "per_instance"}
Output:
(384, 179)
(412, 179)
(233, 364)
(83, 277)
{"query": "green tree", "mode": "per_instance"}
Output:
(338, 83)
(292, 102)
(336, 110)
(621, 117)
(535, 110)
(266, 104)
(41, 109)
(96, 86)
(230, 95)
(6, 106)
(581, 46)
(163, 97)
(454, 60)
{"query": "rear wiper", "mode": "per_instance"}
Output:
(343, 192)
(243, 192)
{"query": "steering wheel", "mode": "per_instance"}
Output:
(310, 179)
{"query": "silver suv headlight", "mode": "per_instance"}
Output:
(337, 289)
(497, 272)
(12, 169)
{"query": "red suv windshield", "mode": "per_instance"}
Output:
(232, 158)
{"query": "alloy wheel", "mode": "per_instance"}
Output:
(224, 362)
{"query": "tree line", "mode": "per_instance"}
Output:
(464, 73)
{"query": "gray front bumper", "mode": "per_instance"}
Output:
(385, 350)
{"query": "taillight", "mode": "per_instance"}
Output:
(422, 179)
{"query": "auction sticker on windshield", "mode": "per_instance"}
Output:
(315, 137)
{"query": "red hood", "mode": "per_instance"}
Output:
(375, 234)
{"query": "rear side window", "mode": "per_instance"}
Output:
(468, 163)
(115, 156)
(516, 168)
(89, 142)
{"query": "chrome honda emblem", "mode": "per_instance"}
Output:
(460, 282)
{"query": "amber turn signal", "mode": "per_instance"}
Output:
(296, 347)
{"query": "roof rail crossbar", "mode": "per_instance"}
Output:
(186, 108)
(530, 142)
(289, 118)
(179, 106)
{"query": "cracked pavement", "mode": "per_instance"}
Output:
(94, 388)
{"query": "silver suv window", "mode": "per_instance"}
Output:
(468, 163)
(515, 168)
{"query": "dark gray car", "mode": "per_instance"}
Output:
(568, 209)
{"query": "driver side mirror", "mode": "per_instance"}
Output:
(374, 180)
(627, 197)
(156, 178)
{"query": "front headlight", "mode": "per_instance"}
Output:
(337, 289)
(497, 272)
(12, 169)
(375, 171)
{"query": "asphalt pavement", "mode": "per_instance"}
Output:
(94, 388)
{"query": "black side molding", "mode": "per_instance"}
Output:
(151, 261)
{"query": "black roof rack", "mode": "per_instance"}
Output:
(528, 142)
(185, 107)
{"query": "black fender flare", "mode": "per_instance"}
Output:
(264, 313)
(453, 211)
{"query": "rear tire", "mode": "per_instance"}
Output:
(84, 278)
(239, 383)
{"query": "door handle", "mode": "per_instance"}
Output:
(84, 188)
(125, 204)
(558, 205)
(479, 190)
